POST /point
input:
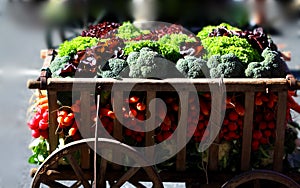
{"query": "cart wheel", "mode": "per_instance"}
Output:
(261, 178)
(74, 176)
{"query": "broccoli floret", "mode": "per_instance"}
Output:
(116, 68)
(213, 61)
(192, 67)
(273, 66)
(57, 65)
(147, 64)
(228, 66)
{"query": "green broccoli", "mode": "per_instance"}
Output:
(221, 45)
(69, 48)
(273, 66)
(192, 67)
(147, 64)
(227, 66)
(57, 65)
(116, 68)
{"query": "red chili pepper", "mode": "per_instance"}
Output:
(293, 104)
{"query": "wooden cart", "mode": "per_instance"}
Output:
(92, 170)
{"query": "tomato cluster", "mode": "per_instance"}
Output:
(134, 114)
(264, 119)
(38, 124)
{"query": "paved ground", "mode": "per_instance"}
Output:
(19, 52)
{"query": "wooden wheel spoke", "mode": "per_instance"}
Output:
(76, 184)
(78, 170)
(126, 176)
(101, 176)
(52, 183)
(137, 184)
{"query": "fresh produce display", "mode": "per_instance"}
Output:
(113, 50)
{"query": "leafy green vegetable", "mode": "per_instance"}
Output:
(40, 151)
(221, 45)
(176, 39)
(167, 50)
(57, 64)
(69, 48)
(128, 31)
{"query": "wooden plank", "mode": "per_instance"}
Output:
(247, 131)
(85, 123)
(53, 107)
(182, 129)
(149, 135)
(280, 131)
(214, 124)
(232, 85)
(118, 101)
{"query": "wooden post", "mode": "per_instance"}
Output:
(53, 107)
(247, 131)
(85, 124)
(181, 136)
(149, 137)
(280, 131)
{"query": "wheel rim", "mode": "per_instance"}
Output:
(42, 174)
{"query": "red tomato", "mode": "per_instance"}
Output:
(33, 123)
(45, 115)
(35, 133)
(43, 124)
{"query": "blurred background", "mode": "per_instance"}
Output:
(27, 26)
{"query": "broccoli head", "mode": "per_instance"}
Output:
(227, 66)
(147, 64)
(192, 67)
(57, 65)
(273, 66)
(114, 68)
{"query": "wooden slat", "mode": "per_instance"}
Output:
(149, 136)
(53, 137)
(280, 131)
(247, 131)
(85, 124)
(182, 132)
(215, 124)
(117, 104)
(118, 130)
(232, 85)
(53, 107)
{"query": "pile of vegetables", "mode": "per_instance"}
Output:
(113, 50)
(225, 51)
